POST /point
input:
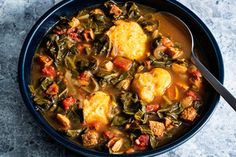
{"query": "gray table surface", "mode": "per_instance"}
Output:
(21, 137)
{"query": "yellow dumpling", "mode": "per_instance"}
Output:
(148, 85)
(129, 39)
(162, 80)
(96, 108)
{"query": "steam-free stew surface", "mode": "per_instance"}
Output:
(116, 78)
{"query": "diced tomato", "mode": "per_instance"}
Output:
(67, 102)
(49, 71)
(84, 78)
(152, 107)
(193, 95)
(75, 37)
(108, 134)
(71, 30)
(123, 63)
(142, 142)
(53, 89)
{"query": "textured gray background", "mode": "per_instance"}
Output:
(21, 137)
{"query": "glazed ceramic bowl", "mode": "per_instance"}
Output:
(204, 40)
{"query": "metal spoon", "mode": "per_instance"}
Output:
(205, 73)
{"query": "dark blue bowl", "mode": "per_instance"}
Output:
(205, 42)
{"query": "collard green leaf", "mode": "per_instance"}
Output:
(119, 120)
(74, 133)
(32, 90)
(70, 62)
(87, 64)
(145, 129)
(139, 115)
(132, 10)
(46, 82)
(153, 141)
(130, 102)
(41, 101)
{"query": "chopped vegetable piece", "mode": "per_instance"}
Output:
(74, 22)
(107, 66)
(64, 121)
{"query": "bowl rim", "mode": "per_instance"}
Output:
(82, 150)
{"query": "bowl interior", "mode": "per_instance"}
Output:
(205, 44)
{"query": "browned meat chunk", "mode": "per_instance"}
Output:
(157, 128)
(187, 101)
(189, 114)
(168, 123)
(90, 138)
(196, 77)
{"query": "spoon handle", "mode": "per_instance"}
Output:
(214, 82)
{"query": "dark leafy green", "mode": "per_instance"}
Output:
(130, 102)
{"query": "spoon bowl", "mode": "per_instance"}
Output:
(205, 72)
